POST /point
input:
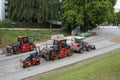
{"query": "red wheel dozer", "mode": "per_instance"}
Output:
(59, 49)
(23, 45)
(32, 59)
(80, 45)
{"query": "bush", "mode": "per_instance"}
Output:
(5, 23)
(8, 24)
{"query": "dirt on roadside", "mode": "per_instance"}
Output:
(115, 39)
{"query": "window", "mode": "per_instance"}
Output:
(56, 42)
(19, 39)
(26, 40)
(28, 58)
(78, 40)
(64, 43)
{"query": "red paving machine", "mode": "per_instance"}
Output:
(23, 45)
(80, 45)
(59, 49)
(32, 59)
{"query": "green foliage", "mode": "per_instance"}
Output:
(5, 23)
(87, 13)
(8, 24)
(33, 10)
(116, 20)
(113, 2)
(99, 11)
(72, 12)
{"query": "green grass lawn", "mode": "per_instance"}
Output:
(10, 36)
(103, 67)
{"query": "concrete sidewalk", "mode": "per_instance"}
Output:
(29, 29)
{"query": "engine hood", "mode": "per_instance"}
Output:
(54, 48)
(9, 47)
(13, 45)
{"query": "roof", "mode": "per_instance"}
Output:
(79, 37)
(59, 39)
(21, 36)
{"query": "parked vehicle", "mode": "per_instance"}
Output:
(22, 45)
(80, 45)
(59, 49)
(32, 59)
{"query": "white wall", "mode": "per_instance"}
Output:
(2, 9)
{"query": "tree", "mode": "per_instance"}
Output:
(33, 10)
(116, 20)
(87, 13)
(72, 11)
(98, 12)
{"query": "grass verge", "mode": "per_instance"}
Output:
(103, 67)
(10, 36)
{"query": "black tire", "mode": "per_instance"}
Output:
(9, 52)
(52, 57)
(17, 51)
(25, 66)
(81, 50)
(56, 57)
(93, 48)
(38, 62)
(47, 57)
(84, 49)
(70, 52)
(88, 48)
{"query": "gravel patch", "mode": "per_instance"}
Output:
(115, 39)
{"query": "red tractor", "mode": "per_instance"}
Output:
(80, 46)
(23, 45)
(31, 60)
(59, 49)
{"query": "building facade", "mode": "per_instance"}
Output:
(3, 9)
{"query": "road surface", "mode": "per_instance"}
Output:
(10, 65)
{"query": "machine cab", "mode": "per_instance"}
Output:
(24, 43)
(78, 39)
(61, 45)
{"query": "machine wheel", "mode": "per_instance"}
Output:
(93, 47)
(70, 52)
(52, 57)
(47, 57)
(81, 50)
(10, 52)
(56, 57)
(17, 51)
(38, 62)
(88, 48)
(25, 66)
(84, 48)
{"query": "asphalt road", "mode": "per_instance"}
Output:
(10, 65)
